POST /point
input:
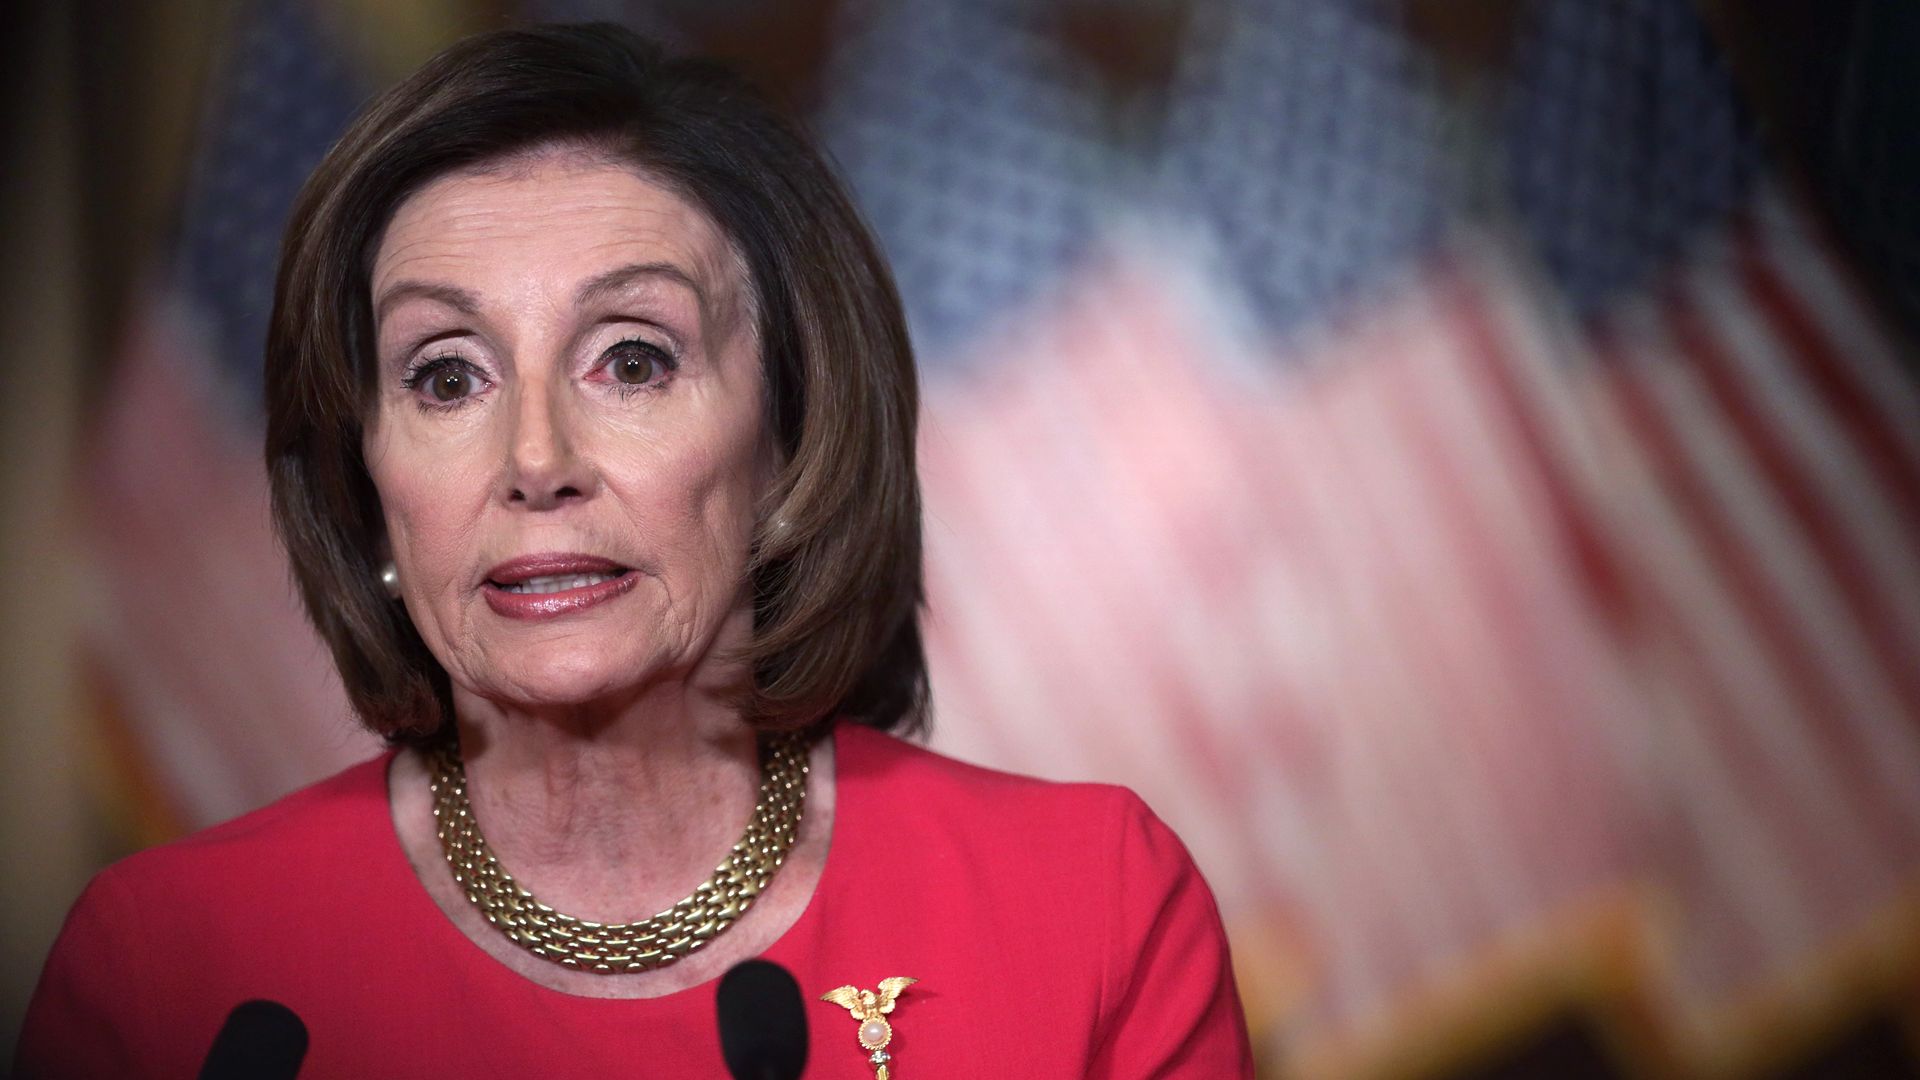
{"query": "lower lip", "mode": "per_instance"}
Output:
(552, 605)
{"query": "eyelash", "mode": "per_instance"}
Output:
(431, 366)
(427, 368)
(659, 354)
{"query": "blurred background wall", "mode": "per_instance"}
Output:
(1459, 461)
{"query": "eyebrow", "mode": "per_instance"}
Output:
(621, 276)
(456, 298)
(611, 281)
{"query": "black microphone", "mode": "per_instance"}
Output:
(763, 1024)
(261, 1040)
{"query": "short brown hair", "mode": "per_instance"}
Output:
(836, 561)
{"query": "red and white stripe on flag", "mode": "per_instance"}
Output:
(1322, 615)
(1763, 417)
(227, 693)
(1455, 650)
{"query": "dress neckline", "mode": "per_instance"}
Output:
(471, 959)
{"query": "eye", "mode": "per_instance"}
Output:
(447, 381)
(636, 363)
(450, 385)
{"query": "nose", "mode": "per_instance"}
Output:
(544, 467)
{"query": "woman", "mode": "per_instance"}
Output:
(590, 432)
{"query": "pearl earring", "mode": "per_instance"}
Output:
(390, 577)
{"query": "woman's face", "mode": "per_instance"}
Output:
(568, 439)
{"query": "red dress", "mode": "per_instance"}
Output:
(1057, 930)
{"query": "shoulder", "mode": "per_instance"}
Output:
(307, 832)
(162, 942)
(887, 760)
(296, 831)
(1094, 833)
(1079, 886)
(914, 780)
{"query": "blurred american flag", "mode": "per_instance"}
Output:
(1502, 574)
(221, 697)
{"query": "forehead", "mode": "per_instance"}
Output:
(543, 221)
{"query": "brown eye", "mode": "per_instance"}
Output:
(446, 381)
(637, 363)
(451, 384)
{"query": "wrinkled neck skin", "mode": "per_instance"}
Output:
(616, 808)
(613, 811)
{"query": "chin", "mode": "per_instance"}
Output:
(567, 676)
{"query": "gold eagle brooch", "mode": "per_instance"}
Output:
(870, 1008)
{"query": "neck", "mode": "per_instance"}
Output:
(610, 811)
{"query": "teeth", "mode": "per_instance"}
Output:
(558, 583)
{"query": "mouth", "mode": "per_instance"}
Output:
(552, 585)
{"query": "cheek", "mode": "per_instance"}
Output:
(432, 502)
(699, 488)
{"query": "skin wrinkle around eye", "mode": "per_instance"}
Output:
(659, 317)
(610, 287)
(431, 371)
(725, 301)
(633, 317)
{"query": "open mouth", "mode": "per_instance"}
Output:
(555, 583)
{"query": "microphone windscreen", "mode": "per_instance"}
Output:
(262, 1040)
(763, 1022)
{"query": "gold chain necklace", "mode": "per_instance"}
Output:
(618, 948)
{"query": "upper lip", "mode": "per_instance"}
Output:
(551, 564)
